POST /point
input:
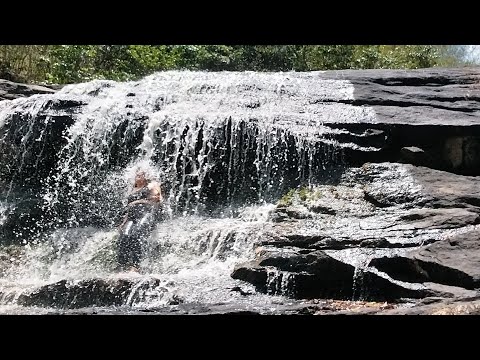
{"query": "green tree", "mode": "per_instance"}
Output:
(24, 62)
(77, 63)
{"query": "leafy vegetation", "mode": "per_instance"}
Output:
(76, 63)
(287, 199)
(300, 195)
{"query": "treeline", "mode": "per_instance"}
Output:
(62, 64)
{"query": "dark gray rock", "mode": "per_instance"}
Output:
(446, 291)
(419, 271)
(435, 109)
(453, 90)
(377, 288)
(389, 184)
(317, 275)
(416, 156)
(11, 90)
(93, 292)
(322, 208)
(64, 294)
(459, 252)
(299, 275)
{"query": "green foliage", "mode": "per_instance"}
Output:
(71, 63)
(287, 199)
(146, 59)
(77, 63)
(204, 57)
(24, 63)
(302, 194)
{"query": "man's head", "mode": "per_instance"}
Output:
(141, 178)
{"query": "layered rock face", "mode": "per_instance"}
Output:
(385, 231)
(393, 217)
(426, 117)
(403, 231)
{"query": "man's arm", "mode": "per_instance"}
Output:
(123, 222)
(155, 192)
(155, 195)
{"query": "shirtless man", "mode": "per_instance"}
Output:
(143, 202)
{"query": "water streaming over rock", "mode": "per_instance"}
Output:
(225, 146)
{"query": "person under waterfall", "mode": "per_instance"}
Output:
(141, 214)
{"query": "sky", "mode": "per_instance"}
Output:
(474, 53)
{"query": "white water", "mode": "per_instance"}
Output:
(186, 116)
(192, 257)
(3, 213)
(222, 142)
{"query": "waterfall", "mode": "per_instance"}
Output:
(213, 139)
(223, 145)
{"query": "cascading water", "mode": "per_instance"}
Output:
(3, 213)
(225, 146)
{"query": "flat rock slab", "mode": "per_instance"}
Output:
(10, 90)
(417, 97)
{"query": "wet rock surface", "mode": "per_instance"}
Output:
(411, 251)
(100, 292)
(401, 231)
(384, 238)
